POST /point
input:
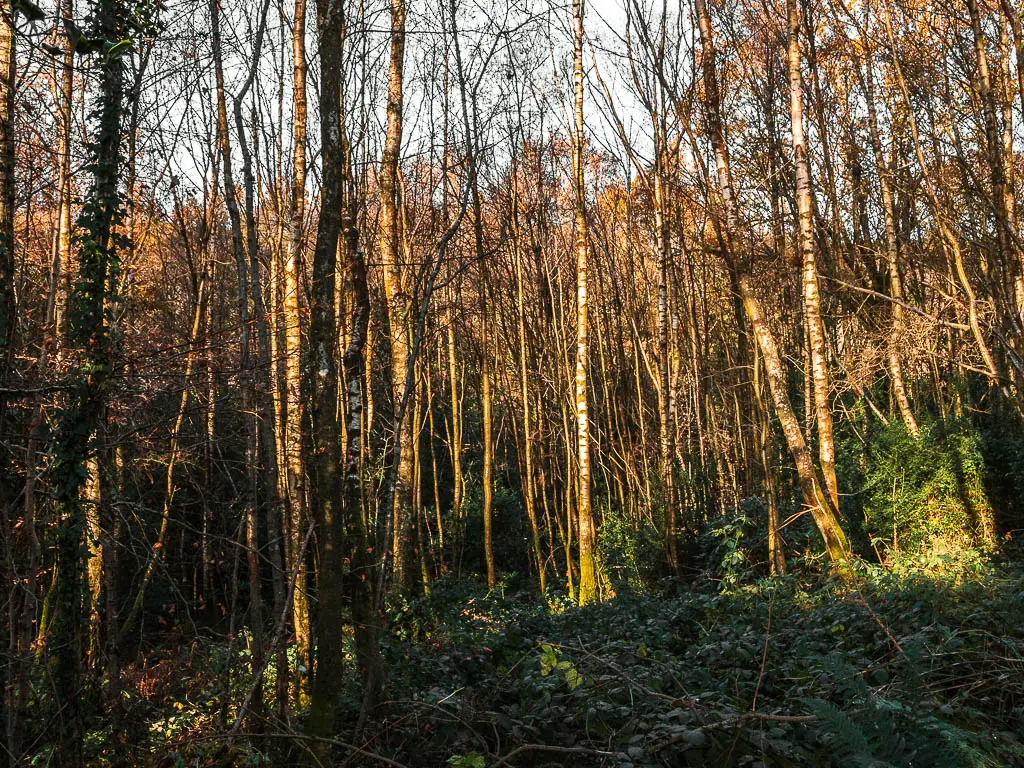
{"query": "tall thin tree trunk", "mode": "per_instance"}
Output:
(993, 146)
(666, 401)
(396, 288)
(488, 468)
(588, 585)
(808, 250)
(529, 487)
(899, 386)
(295, 418)
(8, 319)
(245, 372)
(948, 237)
(823, 511)
(456, 407)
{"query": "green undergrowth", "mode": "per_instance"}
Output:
(918, 664)
(921, 664)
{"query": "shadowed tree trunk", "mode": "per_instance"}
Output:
(89, 325)
(325, 485)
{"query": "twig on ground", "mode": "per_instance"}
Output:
(551, 748)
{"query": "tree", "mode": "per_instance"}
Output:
(588, 586)
(295, 421)
(326, 474)
(89, 331)
(823, 510)
(397, 291)
(809, 269)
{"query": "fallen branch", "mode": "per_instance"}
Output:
(550, 748)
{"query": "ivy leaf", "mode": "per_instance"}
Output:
(118, 49)
(31, 10)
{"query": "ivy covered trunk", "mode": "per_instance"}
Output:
(91, 337)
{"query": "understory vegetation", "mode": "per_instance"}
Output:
(916, 659)
(918, 664)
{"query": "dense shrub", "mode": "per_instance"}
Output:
(733, 547)
(885, 673)
(926, 493)
(510, 537)
(732, 544)
(630, 550)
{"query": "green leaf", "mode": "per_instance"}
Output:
(574, 679)
(118, 49)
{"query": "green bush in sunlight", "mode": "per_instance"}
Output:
(926, 494)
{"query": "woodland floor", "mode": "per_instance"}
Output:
(920, 664)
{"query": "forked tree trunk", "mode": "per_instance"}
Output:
(824, 512)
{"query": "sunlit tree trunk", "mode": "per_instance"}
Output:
(295, 413)
(54, 312)
(776, 556)
(486, 404)
(588, 586)
(824, 512)
(666, 390)
(62, 255)
(396, 289)
(8, 320)
(456, 405)
(808, 249)
(951, 243)
(529, 488)
(993, 144)
(892, 253)
(91, 500)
